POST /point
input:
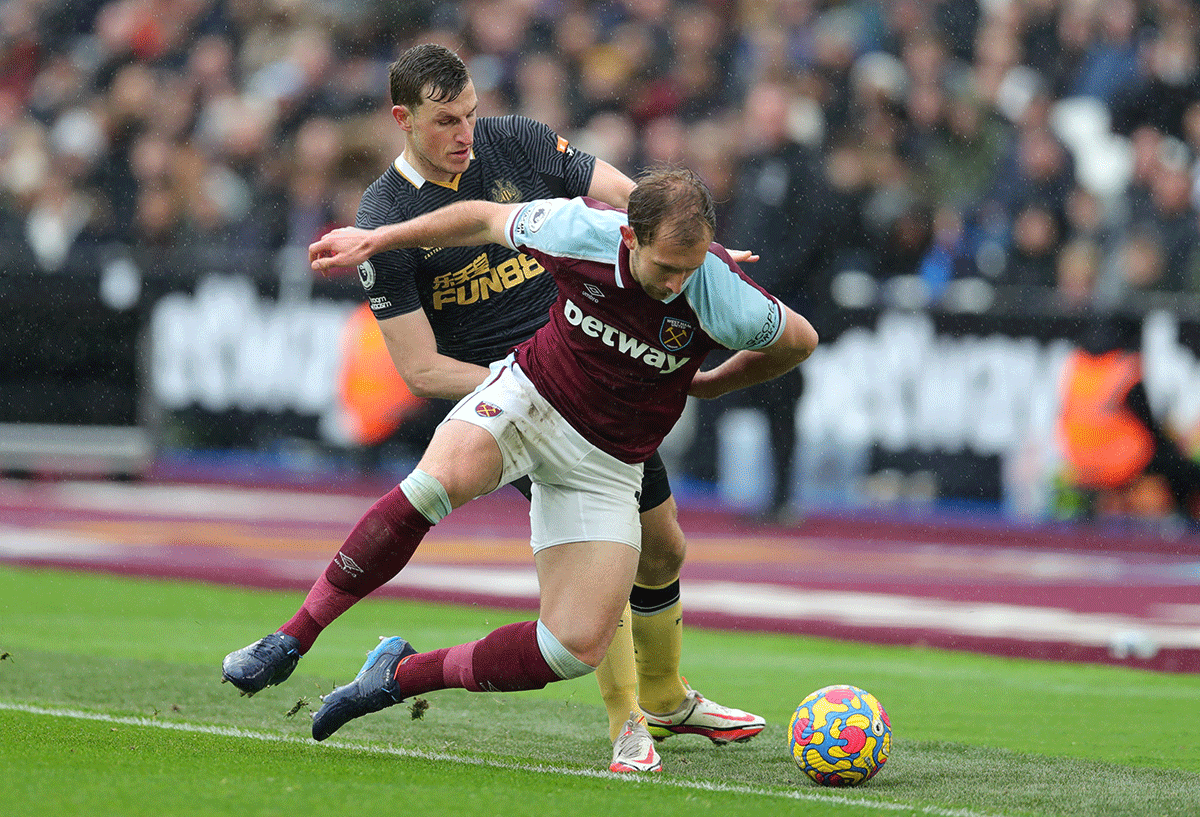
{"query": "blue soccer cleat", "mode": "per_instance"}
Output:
(266, 662)
(373, 689)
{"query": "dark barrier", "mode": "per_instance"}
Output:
(969, 402)
(225, 359)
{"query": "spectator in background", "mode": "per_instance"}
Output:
(1168, 82)
(1088, 217)
(1173, 217)
(1053, 37)
(1035, 243)
(779, 204)
(1077, 269)
(1135, 268)
(962, 164)
(1036, 171)
(1146, 145)
(1158, 245)
(1109, 67)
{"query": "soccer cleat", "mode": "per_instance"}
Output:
(699, 716)
(266, 662)
(633, 750)
(373, 689)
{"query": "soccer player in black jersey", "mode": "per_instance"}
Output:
(446, 314)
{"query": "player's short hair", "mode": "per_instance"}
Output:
(427, 71)
(671, 202)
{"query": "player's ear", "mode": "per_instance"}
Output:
(403, 117)
(628, 237)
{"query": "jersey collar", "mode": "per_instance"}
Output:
(414, 177)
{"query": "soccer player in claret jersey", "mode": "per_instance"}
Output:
(446, 314)
(579, 407)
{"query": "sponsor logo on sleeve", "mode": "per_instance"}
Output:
(533, 216)
(538, 217)
(769, 330)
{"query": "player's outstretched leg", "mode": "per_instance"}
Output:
(508, 659)
(264, 663)
(374, 688)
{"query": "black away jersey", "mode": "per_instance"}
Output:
(480, 301)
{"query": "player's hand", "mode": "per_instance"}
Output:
(343, 247)
(742, 256)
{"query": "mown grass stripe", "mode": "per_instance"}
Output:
(815, 795)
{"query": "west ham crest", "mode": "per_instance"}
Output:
(486, 409)
(675, 334)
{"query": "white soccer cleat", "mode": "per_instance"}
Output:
(699, 716)
(633, 750)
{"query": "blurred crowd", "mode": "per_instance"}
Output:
(974, 154)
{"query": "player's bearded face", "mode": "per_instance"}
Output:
(441, 134)
(662, 266)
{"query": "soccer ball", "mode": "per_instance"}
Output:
(840, 736)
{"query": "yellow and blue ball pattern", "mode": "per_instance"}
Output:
(840, 736)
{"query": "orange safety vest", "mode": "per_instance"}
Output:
(373, 396)
(1105, 443)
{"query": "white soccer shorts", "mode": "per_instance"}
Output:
(580, 493)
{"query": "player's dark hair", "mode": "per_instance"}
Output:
(673, 201)
(427, 66)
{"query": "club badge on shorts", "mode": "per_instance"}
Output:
(486, 409)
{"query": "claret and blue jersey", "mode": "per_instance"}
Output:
(613, 361)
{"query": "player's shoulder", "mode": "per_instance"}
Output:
(578, 227)
(388, 199)
(513, 133)
(511, 124)
(719, 262)
(579, 210)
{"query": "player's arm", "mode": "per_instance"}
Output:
(610, 185)
(748, 367)
(427, 373)
(463, 224)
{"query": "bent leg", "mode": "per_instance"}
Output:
(584, 589)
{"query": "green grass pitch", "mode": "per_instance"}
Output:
(110, 703)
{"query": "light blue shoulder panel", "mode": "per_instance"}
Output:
(567, 228)
(731, 309)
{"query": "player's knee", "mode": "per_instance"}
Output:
(572, 653)
(663, 553)
(590, 647)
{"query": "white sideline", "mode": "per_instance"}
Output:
(816, 795)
